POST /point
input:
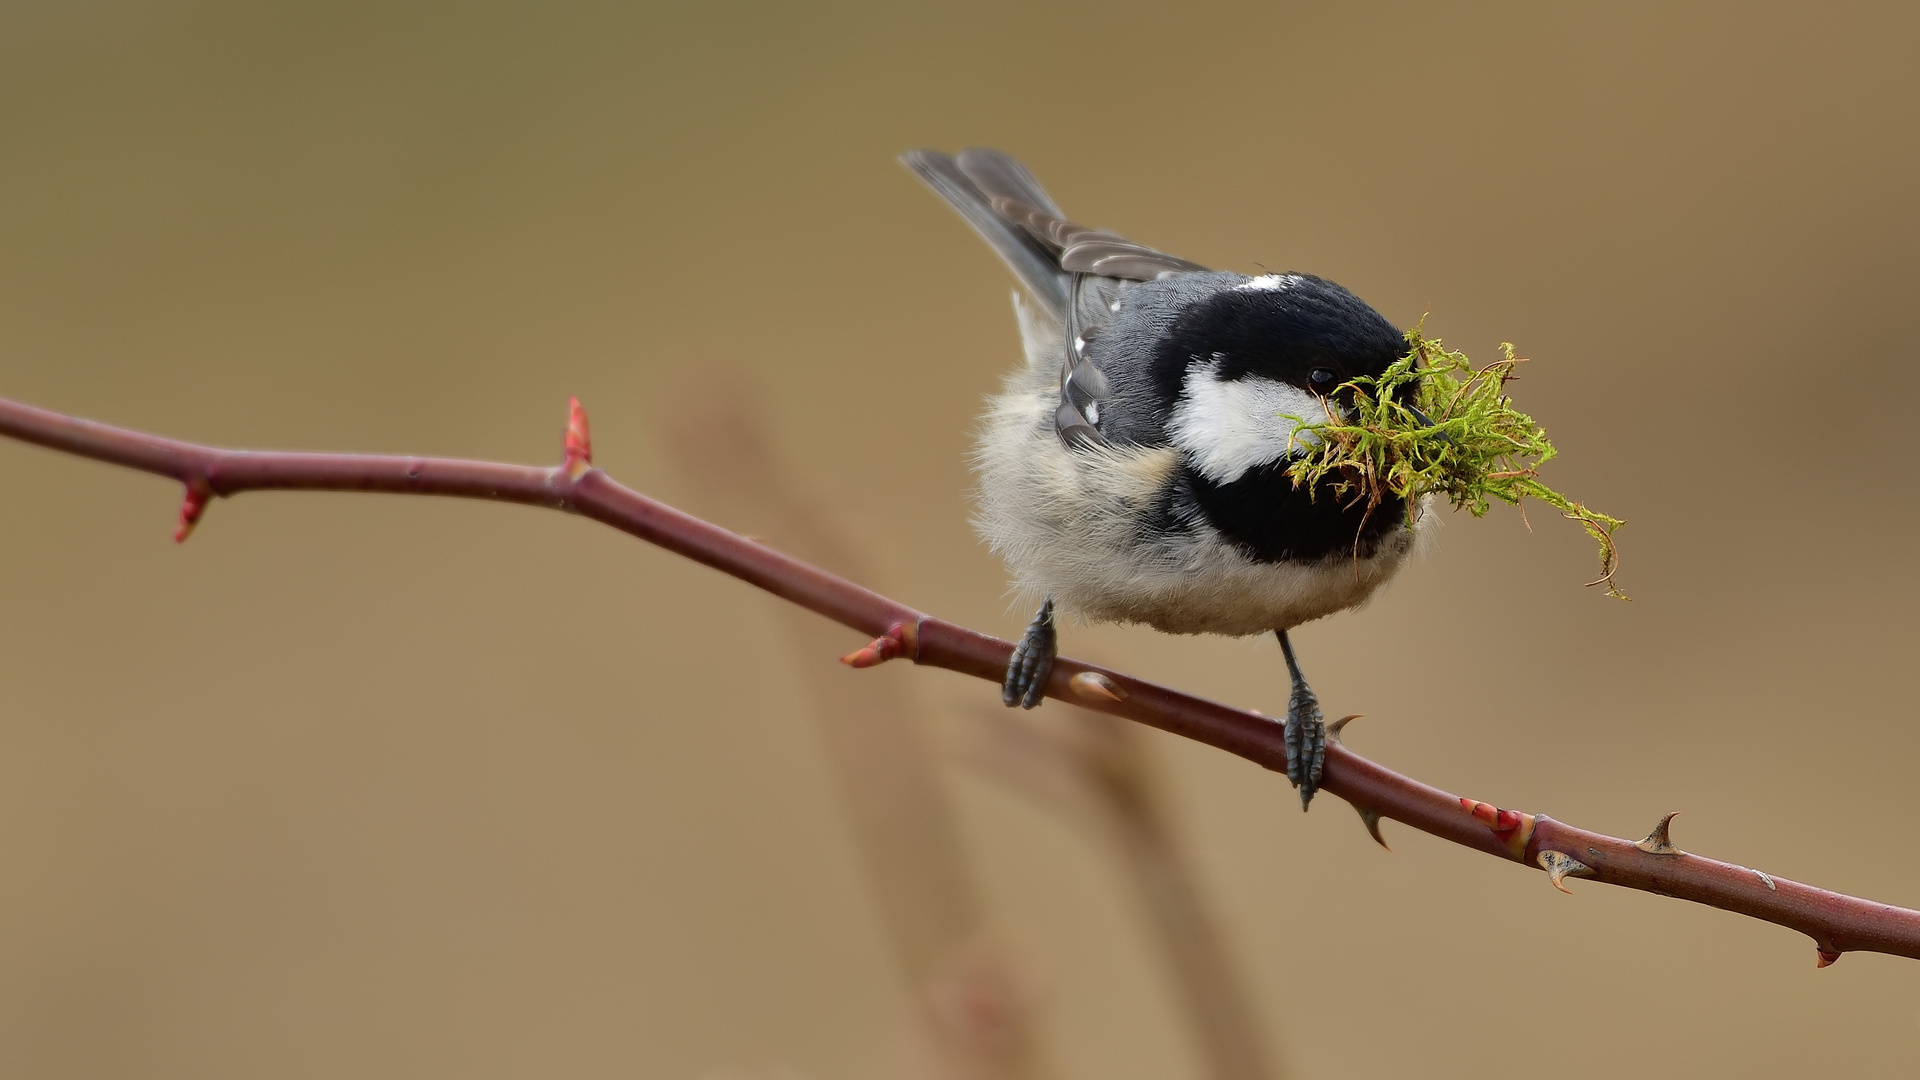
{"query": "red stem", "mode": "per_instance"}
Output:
(1836, 922)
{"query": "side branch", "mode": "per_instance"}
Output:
(1836, 922)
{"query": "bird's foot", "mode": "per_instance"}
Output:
(1032, 662)
(1306, 730)
(1306, 735)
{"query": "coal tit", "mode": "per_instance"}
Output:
(1134, 469)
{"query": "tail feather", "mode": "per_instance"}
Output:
(969, 185)
(1002, 176)
(1007, 206)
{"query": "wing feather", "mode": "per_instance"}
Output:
(1070, 270)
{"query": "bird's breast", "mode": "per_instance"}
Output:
(1124, 534)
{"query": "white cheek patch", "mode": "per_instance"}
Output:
(1228, 426)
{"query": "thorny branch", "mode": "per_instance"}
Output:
(977, 999)
(1836, 922)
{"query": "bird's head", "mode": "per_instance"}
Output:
(1244, 363)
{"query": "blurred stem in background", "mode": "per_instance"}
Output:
(973, 1001)
(1095, 769)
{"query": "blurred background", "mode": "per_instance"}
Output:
(386, 787)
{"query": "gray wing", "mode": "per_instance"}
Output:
(1082, 250)
(1071, 270)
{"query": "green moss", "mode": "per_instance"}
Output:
(1477, 449)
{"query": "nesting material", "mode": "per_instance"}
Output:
(1433, 424)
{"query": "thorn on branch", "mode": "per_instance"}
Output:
(896, 642)
(578, 447)
(1368, 815)
(1823, 958)
(1657, 841)
(1560, 866)
(1371, 819)
(1094, 686)
(1333, 736)
(1513, 828)
(191, 507)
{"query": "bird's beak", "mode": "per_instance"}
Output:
(1427, 421)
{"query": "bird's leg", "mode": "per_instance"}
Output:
(1032, 661)
(1306, 731)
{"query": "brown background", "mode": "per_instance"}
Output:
(378, 787)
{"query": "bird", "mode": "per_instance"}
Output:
(1134, 468)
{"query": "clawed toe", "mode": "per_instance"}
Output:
(1032, 662)
(1306, 735)
(1305, 732)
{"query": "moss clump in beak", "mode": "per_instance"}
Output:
(1433, 424)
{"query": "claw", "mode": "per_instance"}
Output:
(1032, 662)
(1306, 736)
(1657, 841)
(1305, 731)
(1560, 866)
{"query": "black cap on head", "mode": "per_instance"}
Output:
(1280, 327)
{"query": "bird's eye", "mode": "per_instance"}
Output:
(1321, 379)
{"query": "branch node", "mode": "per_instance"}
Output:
(1657, 841)
(192, 505)
(1514, 828)
(1333, 736)
(1824, 958)
(578, 446)
(1095, 686)
(899, 640)
(1561, 866)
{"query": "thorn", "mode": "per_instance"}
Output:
(899, 640)
(1333, 735)
(1823, 958)
(1371, 819)
(1657, 841)
(191, 507)
(1560, 866)
(1514, 828)
(578, 446)
(1094, 686)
